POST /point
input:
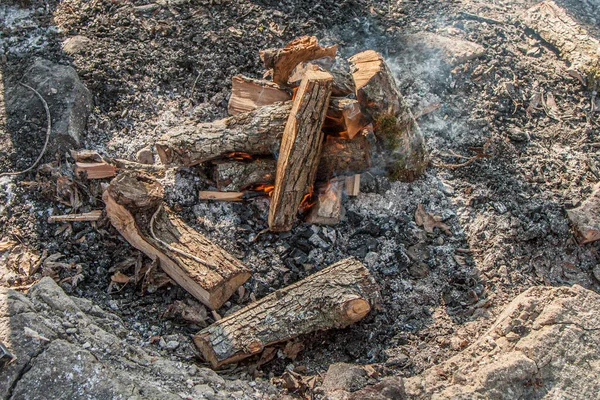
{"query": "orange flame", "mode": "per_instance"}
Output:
(239, 156)
(308, 201)
(263, 187)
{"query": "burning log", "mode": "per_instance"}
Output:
(335, 297)
(236, 176)
(328, 208)
(300, 149)
(573, 42)
(395, 125)
(248, 94)
(134, 204)
(344, 118)
(341, 156)
(256, 132)
(283, 61)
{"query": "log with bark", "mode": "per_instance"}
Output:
(394, 123)
(334, 297)
(235, 176)
(283, 61)
(300, 149)
(257, 132)
(134, 204)
(342, 156)
(248, 94)
(573, 42)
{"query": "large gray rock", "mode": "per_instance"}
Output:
(546, 344)
(68, 348)
(68, 99)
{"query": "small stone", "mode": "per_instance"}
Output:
(596, 272)
(172, 345)
(418, 270)
(71, 331)
(343, 376)
(145, 156)
(76, 44)
(162, 343)
(371, 259)
(203, 391)
(86, 345)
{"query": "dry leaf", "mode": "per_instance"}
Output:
(119, 277)
(292, 349)
(429, 221)
(23, 260)
(7, 245)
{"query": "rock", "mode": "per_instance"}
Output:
(76, 44)
(172, 345)
(95, 362)
(145, 156)
(68, 99)
(452, 51)
(388, 389)
(546, 344)
(586, 218)
(343, 376)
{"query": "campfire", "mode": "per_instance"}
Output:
(300, 139)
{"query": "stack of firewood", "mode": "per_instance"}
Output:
(319, 118)
(324, 119)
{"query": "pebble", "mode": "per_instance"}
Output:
(371, 259)
(71, 331)
(172, 345)
(145, 156)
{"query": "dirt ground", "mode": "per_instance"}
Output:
(149, 69)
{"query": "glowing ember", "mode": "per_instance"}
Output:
(239, 156)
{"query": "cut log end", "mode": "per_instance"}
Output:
(356, 309)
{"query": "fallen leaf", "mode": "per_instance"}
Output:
(429, 221)
(292, 349)
(119, 277)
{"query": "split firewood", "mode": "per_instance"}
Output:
(335, 297)
(95, 170)
(234, 176)
(573, 42)
(222, 196)
(134, 204)
(328, 208)
(586, 218)
(344, 118)
(89, 216)
(248, 94)
(300, 149)
(283, 61)
(394, 123)
(256, 132)
(352, 185)
(343, 83)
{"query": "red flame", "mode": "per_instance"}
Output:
(308, 201)
(262, 187)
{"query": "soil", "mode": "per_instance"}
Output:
(151, 68)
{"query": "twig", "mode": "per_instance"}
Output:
(48, 131)
(173, 249)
